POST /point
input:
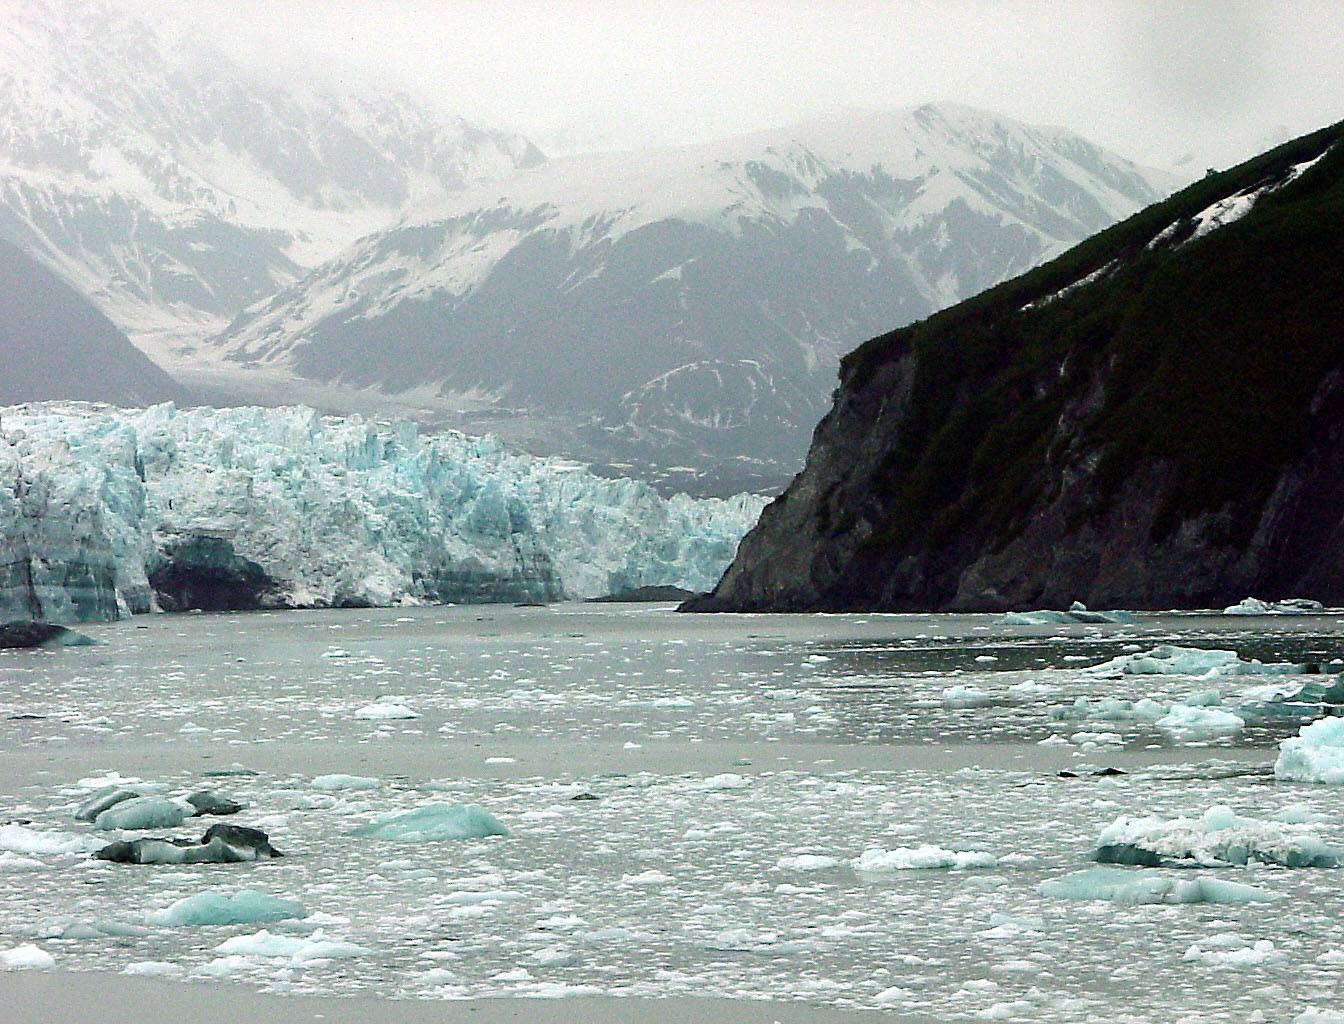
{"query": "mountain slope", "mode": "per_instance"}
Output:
(175, 193)
(54, 344)
(690, 306)
(1152, 420)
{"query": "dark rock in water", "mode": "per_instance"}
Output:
(221, 844)
(647, 594)
(40, 634)
(1150, 421)
(1129, 854)
(1106, 773)
(207, 801)
(25, 717)
(108, 796)
(584, 796)
(201, 571)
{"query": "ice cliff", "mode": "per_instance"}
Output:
(105, 512)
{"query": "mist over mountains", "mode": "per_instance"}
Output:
(677, 315)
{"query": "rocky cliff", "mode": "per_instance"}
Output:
(1154, 419)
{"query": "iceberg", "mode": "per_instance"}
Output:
(221, 844)
(1192, 661)
(1315, 754)
(126, 511)
(1289, 606)
(333, 783)
(26, 958)
(1216, 839)
(1078, 612)
(1200, 721)
(434, 823)
(1110, 709)
(142, 812)
(23, 840)
(284, 947)
(212, 908)
(385, 712)
(1116, 885)
(921, 858)
(1231, 950)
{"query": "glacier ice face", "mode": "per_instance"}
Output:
(109, 512)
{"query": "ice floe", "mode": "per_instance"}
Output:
(295, 948)
(1218, 837)
(1169, 660)
(1117, 885)
(1315, 754)
(434, 823)
(921, 858)
(247, 906)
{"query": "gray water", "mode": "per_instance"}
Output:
(718, 747)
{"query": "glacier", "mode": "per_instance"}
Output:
(107, 512)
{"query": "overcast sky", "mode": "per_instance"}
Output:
(1155, 80)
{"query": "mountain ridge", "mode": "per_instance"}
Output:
(582, 284)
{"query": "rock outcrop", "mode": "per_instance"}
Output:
(1152, 420)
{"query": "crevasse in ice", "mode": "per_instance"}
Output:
(107, 512)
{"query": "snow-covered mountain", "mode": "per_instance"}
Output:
(175, 192)
(54, 344)
(106, 511)
(687, 308)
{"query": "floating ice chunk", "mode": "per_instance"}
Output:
(346, 782)
(207, 801)
(1168, 660)
(1077, 612)
(221, 844)
(650, 877)
(1311, 1015)
(1200, 721)
(284, 947)
(1298, 814)
(24, 840)
(142, 812)
(919, 858)
(1243, 954)
(1109, 709)
(213, 908)
(26, 958)
(153, 969)
(895, 994)
(806, 862)
(966, 697)
(1116, 885)
(1290, 606)
(13, 862)
(1218, 838)
(1315, 754)
(434, 823)
(102, 799)
(728, 780)
(385, 712)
